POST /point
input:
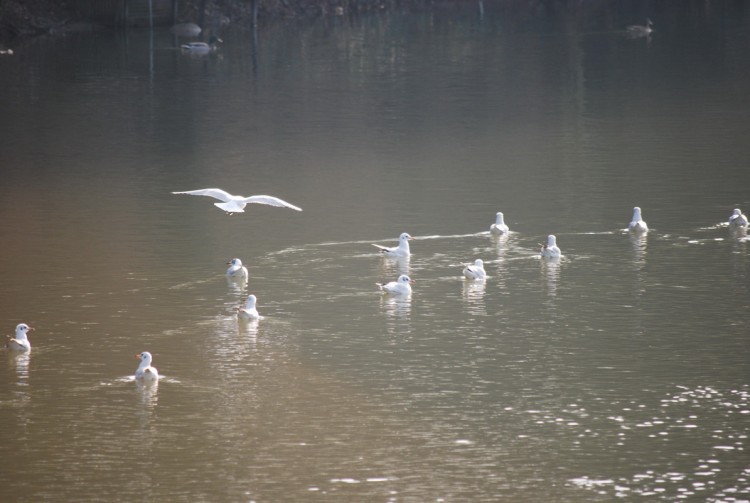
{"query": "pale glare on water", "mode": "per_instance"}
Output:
(619, 373)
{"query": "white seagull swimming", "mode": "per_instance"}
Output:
(20, 342)
(475, 271)
(237, 270)
(402, 250)
(145, 372)
(249, 312)
(737, 219)
(550, 250)
(236, 204)
(402, 286)
(637, 224)
(499, 226)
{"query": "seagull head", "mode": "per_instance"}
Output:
(251, 300)
(144, 357)
(22, 328)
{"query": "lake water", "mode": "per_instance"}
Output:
(619, 373)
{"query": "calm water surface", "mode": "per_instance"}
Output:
(620, 373)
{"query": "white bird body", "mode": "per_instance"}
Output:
(638, 30)
(737, 219)
(550, 250)
(21, 341)
(402, 250)
(475, 271)
(402, 286)
(237, 270)
(202, 47)
(499, 227)
(145, 372)
(249, 312)
(236, 204)
(637, 224)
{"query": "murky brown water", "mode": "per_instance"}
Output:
(619, 373)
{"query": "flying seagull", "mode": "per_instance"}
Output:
(236, 204)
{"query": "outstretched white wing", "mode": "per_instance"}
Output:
(219, 194)
(273, 201)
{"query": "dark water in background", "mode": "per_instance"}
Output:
(620, 373)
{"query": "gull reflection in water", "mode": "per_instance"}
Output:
(20, 362)
(397, 309)
(501, 249)
(148, 395)
(638, 241)
(249, 328)
(148, 392)
(499, 241)
(739, 266)
(236, 285)
(551, 275)
(738, 232)
(394, 266)
(473, 295)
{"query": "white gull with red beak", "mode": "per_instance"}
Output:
(21, 341)
(236, 269)
(402, 286)
(145, 372)
(402, 250)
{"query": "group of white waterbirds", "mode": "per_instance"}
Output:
(474, 272)
(146, 373)
(231, 204)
